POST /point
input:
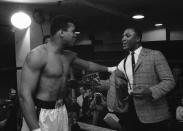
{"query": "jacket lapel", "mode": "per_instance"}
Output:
(142, 54)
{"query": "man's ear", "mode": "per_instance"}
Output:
(61, 33)
(138, 39)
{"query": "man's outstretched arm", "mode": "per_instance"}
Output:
(91, 66)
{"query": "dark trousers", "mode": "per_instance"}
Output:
(132, 123)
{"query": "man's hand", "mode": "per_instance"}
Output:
(147, 92)
(39, 129)
(179, 113)
(111, 69)
(144, 93)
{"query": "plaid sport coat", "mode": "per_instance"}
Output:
(152, 71)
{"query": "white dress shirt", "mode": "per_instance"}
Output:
(128, 66)
(80, 100)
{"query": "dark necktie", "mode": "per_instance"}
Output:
(83, 97)
(133, 62)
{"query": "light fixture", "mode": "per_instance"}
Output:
(77, 32)
(138, 16)
(20, 20)
(158, 24)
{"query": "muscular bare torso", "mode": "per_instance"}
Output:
(54, 74)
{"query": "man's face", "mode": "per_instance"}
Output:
(47, 40)
(89, 92)
(129, 39)
(82, 91)
(69, 36)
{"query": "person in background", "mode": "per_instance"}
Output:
(9, 111)
(99, 107)
(176, 99)
(178, 90)
(46, 39)
(80, 98)
(84, 101)
(3, 115)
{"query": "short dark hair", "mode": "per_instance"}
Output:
(136, 30)
(60, 22)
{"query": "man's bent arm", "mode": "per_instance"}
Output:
(165, 75)
(30, 76)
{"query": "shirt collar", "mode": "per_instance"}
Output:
(137, 51)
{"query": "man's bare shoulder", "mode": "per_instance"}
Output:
(70, 54)
(36, 58)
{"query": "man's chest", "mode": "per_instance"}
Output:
(144, 64)
(57, 66)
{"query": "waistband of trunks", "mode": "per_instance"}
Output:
(46, 104)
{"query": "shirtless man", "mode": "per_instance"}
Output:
(44, 77)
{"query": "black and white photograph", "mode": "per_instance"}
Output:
(91, 65)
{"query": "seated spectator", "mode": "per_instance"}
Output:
(84, 101)
(3, 115)
(177, 99)
(174, 96)
(80, 98)
(99, 107)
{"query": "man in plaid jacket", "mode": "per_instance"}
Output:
(149, 80)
